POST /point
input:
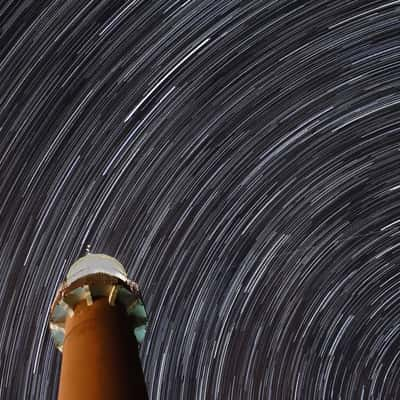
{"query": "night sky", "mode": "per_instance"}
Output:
(240, 158)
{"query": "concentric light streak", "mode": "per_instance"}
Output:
(240, 158)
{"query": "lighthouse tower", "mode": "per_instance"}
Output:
(97, 321)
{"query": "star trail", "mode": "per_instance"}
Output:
(240, 158)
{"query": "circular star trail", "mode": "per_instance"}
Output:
(240, 158)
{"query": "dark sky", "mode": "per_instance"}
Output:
(240, 158)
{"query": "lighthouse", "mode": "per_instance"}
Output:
(97, 321)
